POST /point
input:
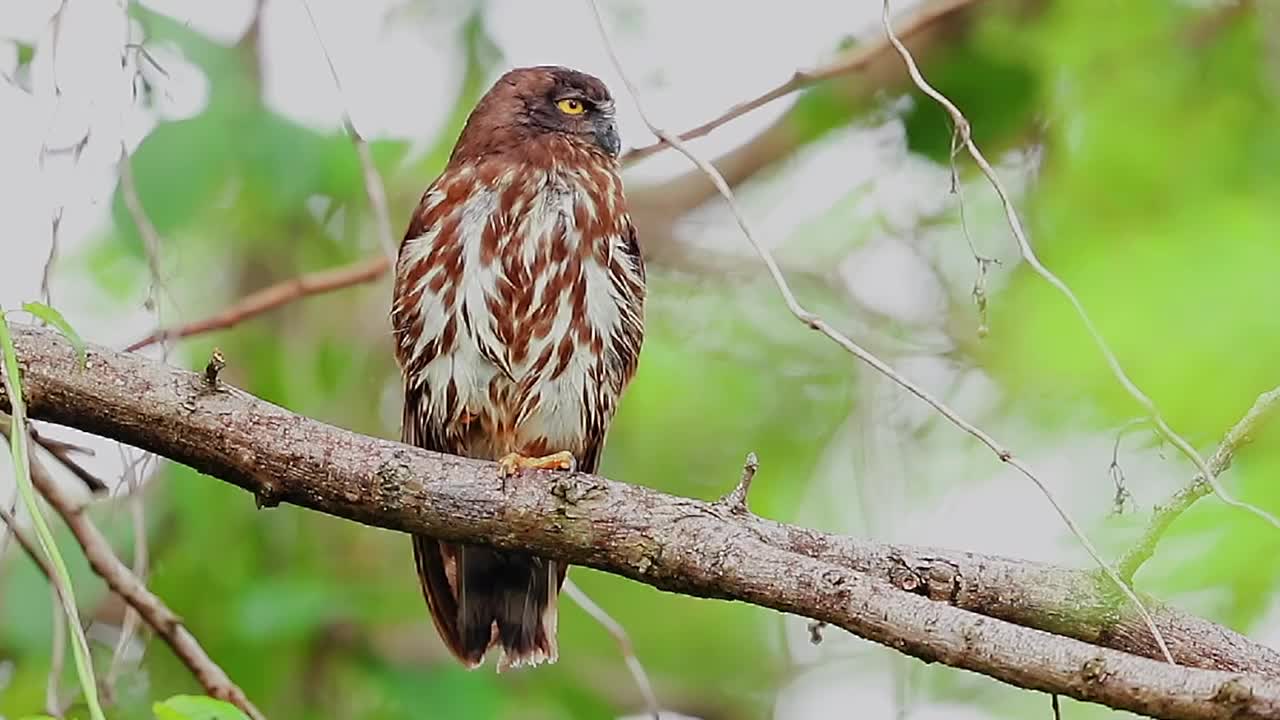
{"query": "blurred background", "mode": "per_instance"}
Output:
(1139, 140)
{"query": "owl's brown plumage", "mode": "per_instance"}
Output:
(518, 317)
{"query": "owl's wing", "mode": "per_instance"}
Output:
(623, 349)
(436, 561)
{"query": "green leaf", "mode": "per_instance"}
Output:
(196, 707)
(55, 318)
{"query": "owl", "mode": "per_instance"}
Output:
(518, 318)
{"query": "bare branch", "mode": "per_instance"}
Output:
(272, 297)
(97, 550)
(1033, 261)
(372, 181)
(815, 322)
(1239, 435)
(672, 543)
(619, 633)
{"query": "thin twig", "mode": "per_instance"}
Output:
(983, 262)
(62, 452)
(619, 633)
(1117, 472)
(32, 550)
(151, 241)
(57, 447)
(102, 559)
(57, 656)
(1033, 261)
(1239, 435)
(141, 50)
(133, 471)
(9, 526)
(55, 35)
(273, 297)
(372, 181)
(851, 61)
(46, 277)
(815, 322)
(28, 545)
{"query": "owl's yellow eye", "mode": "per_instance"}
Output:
(571, 106)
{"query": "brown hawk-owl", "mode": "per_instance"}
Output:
(518, 317)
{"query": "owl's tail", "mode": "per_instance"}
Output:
(479, 598)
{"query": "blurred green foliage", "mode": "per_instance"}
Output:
(1159, 214)
(1156, 202)
(196, 707)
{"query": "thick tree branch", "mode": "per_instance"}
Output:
(672, 543)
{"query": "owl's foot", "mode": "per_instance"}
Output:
(512, 463)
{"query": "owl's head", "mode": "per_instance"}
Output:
(529, 102)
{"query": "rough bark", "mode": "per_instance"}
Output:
(1012, 620)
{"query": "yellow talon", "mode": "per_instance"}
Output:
(512, 463)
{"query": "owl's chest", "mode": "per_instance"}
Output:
(518, 318)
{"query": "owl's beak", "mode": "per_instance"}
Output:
(606, 132)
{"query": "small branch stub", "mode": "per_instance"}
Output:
(736, 500)
(815, 631)
(217, 361)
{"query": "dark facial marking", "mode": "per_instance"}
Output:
(595, 123)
